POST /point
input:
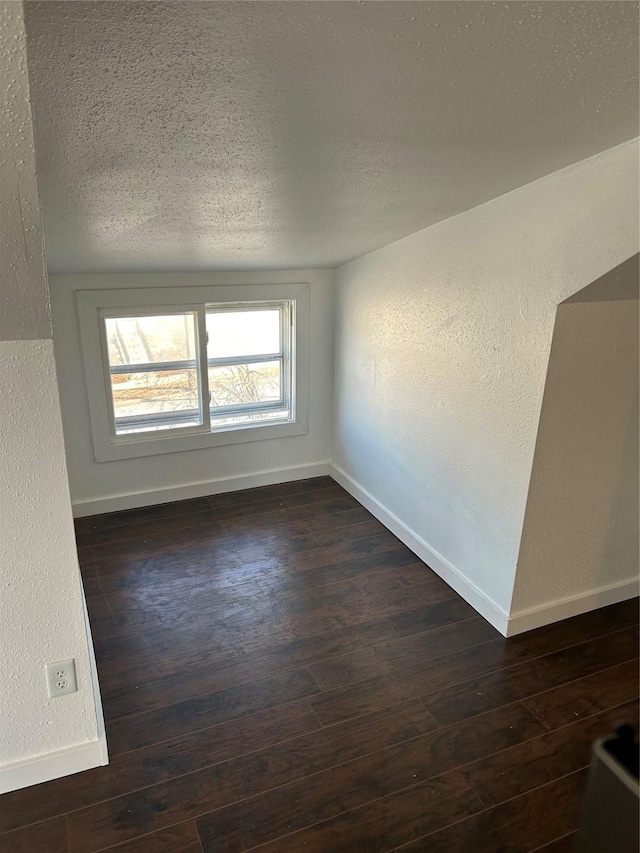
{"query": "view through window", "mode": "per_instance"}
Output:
(154, 367)
(154, 377)
(246, 364)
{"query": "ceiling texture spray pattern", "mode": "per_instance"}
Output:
(224, 135)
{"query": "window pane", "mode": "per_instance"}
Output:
(233, 333)
(158, 399)
(144, 340)
(239, 384)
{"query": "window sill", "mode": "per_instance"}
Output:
(124, 448)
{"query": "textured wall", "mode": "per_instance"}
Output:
(24, 305)
(42, 619)
(93, 481)
(40, 592)
(442, 344)
(581, 523)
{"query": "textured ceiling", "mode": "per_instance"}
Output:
(221, 135)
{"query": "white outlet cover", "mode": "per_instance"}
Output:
(61, 678)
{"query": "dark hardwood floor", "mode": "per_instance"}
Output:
(280, 673)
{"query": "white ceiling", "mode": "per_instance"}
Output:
(221, 135)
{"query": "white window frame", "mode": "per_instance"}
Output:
(94, 305)
(155, 311)
(286, 309)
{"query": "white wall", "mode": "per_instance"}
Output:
(442, 345)
(96, 487)
(24, 306)
(581, 523)
(42, 617)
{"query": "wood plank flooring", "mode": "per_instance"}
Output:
(279, 673)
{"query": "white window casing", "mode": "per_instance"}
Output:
(285, 416)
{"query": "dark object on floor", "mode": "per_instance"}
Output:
(611, 812)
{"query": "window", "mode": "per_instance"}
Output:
(153, 371)
(249, 362)
(176, 375)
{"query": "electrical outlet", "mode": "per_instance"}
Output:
(61, 677)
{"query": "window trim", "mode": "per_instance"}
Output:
(94, 304)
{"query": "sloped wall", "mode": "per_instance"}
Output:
(442, 346)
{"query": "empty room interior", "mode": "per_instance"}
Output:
(319, 492)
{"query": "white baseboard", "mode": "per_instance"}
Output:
(508, 625)
(43, 768)
(494, 614)
(200, 490)
(97, 698)
(526, 620)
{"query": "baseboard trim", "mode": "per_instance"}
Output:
(97, 698)
(134, 500)
(507, 625)
(43, 768)
(536, 617)
(494, 614)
